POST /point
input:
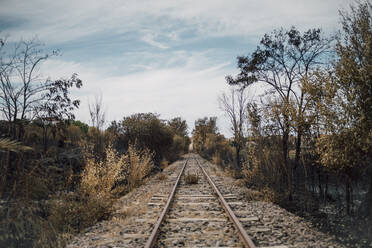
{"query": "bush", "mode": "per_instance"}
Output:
(101, 183)
(74, 134)
(191, 178)
(140, 165)
(264, 170)
(162, 176)
(20, 224)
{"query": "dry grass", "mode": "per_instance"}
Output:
(124, 213)
(214, 169)
(216, 159)
(234, 173)
(265, 171)
(164, 164)
(12, 145)
(99, 178)
(20, 224)
(219, 174)
(44, 213)
(162, 176)
(101, 183)
(140, 164)
(191, 178)
(171, 169)
(253, 195)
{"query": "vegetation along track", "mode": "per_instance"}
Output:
(196, 218)
(197, 214)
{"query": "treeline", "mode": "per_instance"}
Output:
(167, 139)
(310, 128)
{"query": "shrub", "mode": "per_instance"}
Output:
(264, 170)
(140, 165)
(164, 164)
(20, 224)
(101, 182)
(162, 177)
(216, 159)
(99, 178)
(74, 134)
(191, 178)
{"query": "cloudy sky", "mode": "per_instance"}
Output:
(163, 56)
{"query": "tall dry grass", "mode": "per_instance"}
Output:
(101, 183)
(265, 171)
(42, 218)
(36, 216)
(99, 178)
(140, 165)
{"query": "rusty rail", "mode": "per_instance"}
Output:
(242, 233)
(151, 241)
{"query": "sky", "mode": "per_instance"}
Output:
(163, 56)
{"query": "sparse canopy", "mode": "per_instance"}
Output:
(25, 94)
(282, 62)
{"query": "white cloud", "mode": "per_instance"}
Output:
(58, 21)
(150, 39)
(164, 78)
(188, 91)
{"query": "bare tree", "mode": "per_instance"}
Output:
(97, 117)
(21, 86)
(57, 105)
(235, 107)
(97, 114)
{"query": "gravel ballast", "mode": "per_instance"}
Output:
(267, 224)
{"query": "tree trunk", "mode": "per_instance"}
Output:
(287, 170)
(348, 198)
(45, 138)
(5, 165)
(297, 159)
(326, 188)
(298, 150)
(14, 130)
(21, 131)
(285, 147)
(366, 207)
(237, 156)
(313, 179)
(320, 183)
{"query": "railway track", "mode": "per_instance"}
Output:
(197, 215)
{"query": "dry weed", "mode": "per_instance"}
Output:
(98, 179)
(141, 163)
(216, 159)
(191, 178)
(162, 176)
(253, 195)
(164, 164)
(101, 183)
(219, 174)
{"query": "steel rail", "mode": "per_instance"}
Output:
(242, 233)
(152, 239)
